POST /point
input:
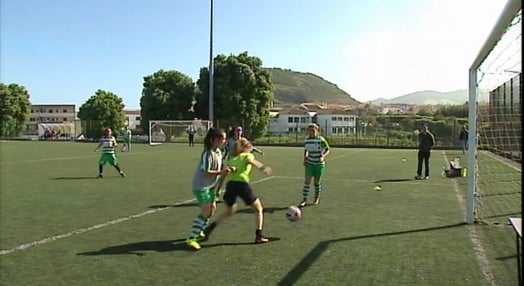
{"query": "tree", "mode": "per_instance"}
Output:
(102, 110)
(15, 109)
(243, 91)
(166, 95)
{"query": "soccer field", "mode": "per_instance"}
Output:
(59, 225)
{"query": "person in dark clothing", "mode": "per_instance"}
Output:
(463, 138)
(426, 141)
(191, 136)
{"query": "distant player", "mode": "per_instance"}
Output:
(205, 179)
(316, 148)
(127, 139)
(108, 144)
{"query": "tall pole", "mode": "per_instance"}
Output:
(211, 64)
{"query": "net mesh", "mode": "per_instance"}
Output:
(498, 188)
(166, 131)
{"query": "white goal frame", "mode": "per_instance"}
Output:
(505, 19)
(200, 125)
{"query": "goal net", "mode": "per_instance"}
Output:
(494, 188)
(176, 131)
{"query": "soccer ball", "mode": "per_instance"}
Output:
(293, 213)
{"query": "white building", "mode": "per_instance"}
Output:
(132, 118)
(296, 119)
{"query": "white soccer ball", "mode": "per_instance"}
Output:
(293, 213)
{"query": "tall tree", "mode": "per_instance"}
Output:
(166, 95)
(15, 109)
(102, 110)
(243, 91)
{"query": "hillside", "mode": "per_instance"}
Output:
(428, 97)
(295, 87)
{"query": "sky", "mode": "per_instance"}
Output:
(63, 51)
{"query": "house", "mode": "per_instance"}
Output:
(58, 119)
(132, 118)
(295, 119)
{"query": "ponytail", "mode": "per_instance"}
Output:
(211, 135)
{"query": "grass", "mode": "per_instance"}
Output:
(78, 230)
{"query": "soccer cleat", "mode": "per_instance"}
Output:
(261, 239)
(426, 178)
(122, 174)
(317, 201)
(302, 204)
(202, 236)
(100, 176)
(418, 177)
(193, 243)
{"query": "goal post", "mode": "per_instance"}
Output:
(172, 131)
(494, 183)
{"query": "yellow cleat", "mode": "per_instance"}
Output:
(193, 243)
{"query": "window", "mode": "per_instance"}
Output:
(346, 118)
(339, 118)
(64, 119)
(50, 111)
(137, 118)
(290, 120)
(303, 119)
(64, 111)
(295, 119)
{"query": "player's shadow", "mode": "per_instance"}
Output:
(138, 248)
(271, 239)
(269, 210)
(392, 181)
(75, 178)
(192, 204)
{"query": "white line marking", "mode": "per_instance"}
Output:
(112, 222)
(498, 158)
(345, 155)
(74, 157)
(482, 258)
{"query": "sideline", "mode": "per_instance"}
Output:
(482, 258)
(112, 222)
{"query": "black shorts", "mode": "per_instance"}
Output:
(241, 190)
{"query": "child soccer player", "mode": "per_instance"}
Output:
(108, 144)
(127, 139)
(229, 149)
(205, 180)
(238, 186)
(316, 148)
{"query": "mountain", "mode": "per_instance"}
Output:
(428, 97)
(293, 87)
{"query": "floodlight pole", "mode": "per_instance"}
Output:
(211, 64)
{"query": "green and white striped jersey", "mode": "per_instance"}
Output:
(108, 145)
(314, 147)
